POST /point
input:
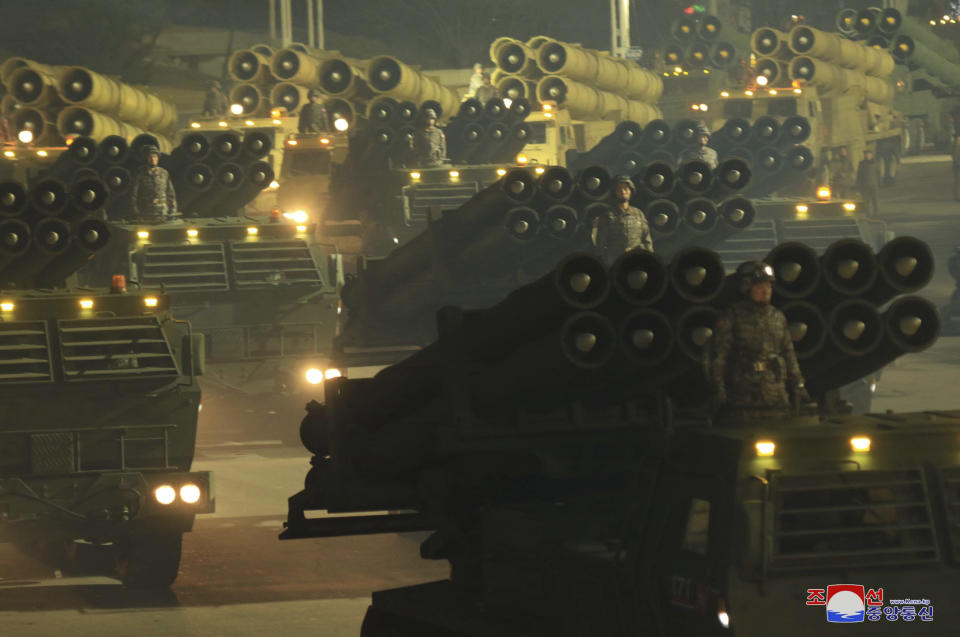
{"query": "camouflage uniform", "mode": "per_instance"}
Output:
(619, 232)
(754, 361)
(430, 147)
(485, 93)
(153, 195)
(313, 119)
(214, 102)
(700, 153)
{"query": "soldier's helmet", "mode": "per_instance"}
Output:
(702, 130)
(312, 93)
(429, 114)
(213, 84)
(753, 272)
(149, 150)
(623, 179)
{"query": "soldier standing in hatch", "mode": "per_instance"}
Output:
(701, 152)
(476, 80)
(486, 91)
(754, 363)
(868, 183)
(313, 116)
(429, 144)
(624, 228)
(214, 101)
(153, 196)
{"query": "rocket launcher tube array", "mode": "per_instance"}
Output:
(586, 102)
(83, 87)
(78, 120)
(832, 47)
(389, 76)
(606, 73)
(892, 23)
(831, 78)
(906, 49)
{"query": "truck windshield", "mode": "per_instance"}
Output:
(538, 133)
(738, 108)
(306, 162)
(782, 107)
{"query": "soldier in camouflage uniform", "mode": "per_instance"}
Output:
(624, 227)
(701, 151)
(754, 363)
(430, 144)
(313, 115)
(214, 101)
(153, 196)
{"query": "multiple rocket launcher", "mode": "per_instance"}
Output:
(909, 42)
(48, 231)
(828, 61)
(283, 79)
(601, 337)
(702, 44)
(55, 101)
(517, 228)
(590, 84)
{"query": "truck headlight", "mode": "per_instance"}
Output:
(165, 494)
(190, 493)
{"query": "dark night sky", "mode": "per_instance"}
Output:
(433, 33)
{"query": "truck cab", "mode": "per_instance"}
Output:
(846, 120)
(100, 395)
(554, 133)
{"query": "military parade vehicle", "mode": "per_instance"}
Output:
(100, 397)
(926, 81)
(561, 449)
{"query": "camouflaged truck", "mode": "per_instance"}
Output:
(99, 397)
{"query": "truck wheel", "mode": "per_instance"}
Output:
(149, 561)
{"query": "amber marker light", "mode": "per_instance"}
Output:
(860, 443)
(765, 448)
(143, 234)
(150, 301)
(253, 231)
(6, 306)
(192, 233)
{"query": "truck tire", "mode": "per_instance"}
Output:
(149, 561)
